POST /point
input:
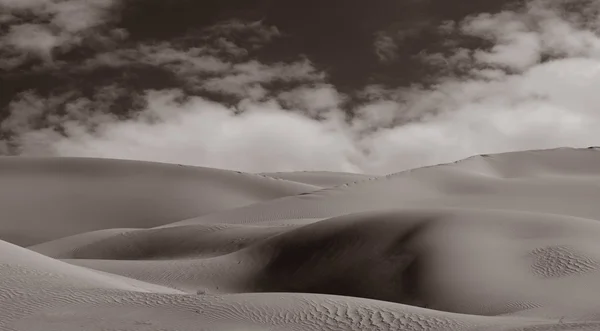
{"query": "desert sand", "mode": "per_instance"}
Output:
(494, 242)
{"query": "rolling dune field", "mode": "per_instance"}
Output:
(494, 242)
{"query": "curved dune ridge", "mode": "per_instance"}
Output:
(494, 242)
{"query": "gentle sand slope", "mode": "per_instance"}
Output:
(561, 181)
(499, 242)
(43, 198)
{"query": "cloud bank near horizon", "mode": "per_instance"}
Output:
(535, 87)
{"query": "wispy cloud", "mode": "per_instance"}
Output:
(215, 49)
(244, 77)
(187, 61)
(385, 47)
(251, 34)
(388, 43)
(58, 26)
(221, 64)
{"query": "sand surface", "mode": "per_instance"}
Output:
(496, 242)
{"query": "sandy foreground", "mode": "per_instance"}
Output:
(494, 242)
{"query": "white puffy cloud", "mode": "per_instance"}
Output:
(196, 131)
(527, 112)
(314, 100)
(511, 99)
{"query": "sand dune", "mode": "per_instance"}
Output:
(48, 198)
(567, 183)
(497, 242)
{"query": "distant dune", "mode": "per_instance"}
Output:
(48, 198)
(494, 242)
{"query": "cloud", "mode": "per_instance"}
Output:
(192, 130)
(489, 119)
(201, 71)
(385, 47)
(54, 25)
(535, 86)
(254, 34)
(219, 63)
(315, 101)
(523, 38)
(387, 43)
(215, 49)
(33, 39)
(69, 15)
(244, 78)
(187, 61)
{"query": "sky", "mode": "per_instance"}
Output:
(371, 87)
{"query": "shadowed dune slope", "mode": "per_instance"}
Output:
(495, 242)
(48, 198)
(190, 241)
(462, 261)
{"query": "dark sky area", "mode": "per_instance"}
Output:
(336, 35)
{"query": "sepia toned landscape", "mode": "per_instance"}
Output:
(299, 165)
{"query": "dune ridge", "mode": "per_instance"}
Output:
(493, 242)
